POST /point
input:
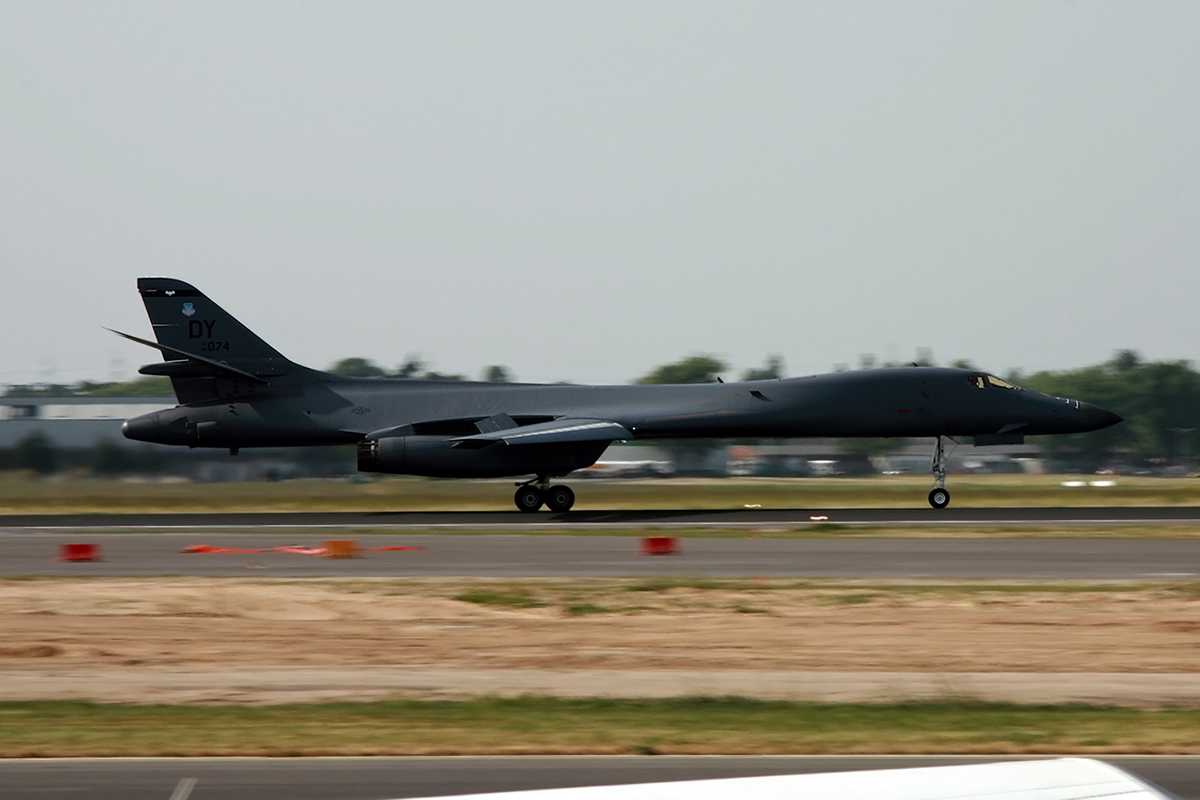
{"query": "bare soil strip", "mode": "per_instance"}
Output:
(243, 641)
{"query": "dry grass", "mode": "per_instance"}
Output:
(538, 725)
(133, 625)
(23, 494)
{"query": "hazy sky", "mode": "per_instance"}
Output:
(582, 191)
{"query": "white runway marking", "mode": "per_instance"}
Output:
(183, 789)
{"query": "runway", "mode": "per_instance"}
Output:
(584, 520)
(549, 545)
(382, 778)
(504, 555)
(545, 545)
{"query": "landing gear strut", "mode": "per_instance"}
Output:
(531, 497)
(939, 497)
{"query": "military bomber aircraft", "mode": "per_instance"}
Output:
(235, 390)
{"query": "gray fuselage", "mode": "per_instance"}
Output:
(318, 408)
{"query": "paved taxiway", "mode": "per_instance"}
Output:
(380, 778)
(505, 555)
(583, 520)
(29, 544)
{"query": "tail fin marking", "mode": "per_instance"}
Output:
(208, 354)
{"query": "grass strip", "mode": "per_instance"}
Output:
(578, 596)
(541, 725)
(24, 494)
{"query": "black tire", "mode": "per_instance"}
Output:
(939, 498)
(560, 498)
(528, 499)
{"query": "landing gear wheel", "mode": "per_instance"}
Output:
(939, 498)
(528, 499)
(560, 498)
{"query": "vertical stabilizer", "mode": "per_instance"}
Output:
(188, 322)
(184, 318)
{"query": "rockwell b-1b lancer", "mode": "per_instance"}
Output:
(235, 390)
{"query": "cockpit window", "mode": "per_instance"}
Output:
(988, 382)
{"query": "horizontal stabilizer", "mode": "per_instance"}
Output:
(198, 365)
(559, 431)
(182, 368)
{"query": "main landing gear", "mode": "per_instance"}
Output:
(939, 497)
(531, 495)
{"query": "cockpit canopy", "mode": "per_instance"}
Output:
(985, 381)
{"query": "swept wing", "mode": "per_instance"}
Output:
(560, 431)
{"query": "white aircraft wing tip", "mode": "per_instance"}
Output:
(1034, 779)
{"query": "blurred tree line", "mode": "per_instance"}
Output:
(36, 453)
(142, 387)
(414, 368)
(1160, 401)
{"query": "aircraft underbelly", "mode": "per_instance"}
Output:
(437, 457)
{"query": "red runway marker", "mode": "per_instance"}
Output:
(297, 549)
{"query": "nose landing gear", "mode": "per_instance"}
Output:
(939, 497)
(531, 497)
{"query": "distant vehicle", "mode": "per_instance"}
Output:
(824, 468)
(235, 390)
(627, 469)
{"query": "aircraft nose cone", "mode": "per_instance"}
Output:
(1093, 418)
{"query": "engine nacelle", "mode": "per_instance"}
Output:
(437, 457)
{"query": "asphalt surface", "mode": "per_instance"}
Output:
(29, 545)
(746, 517)
(382, 778)
(502, 555)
